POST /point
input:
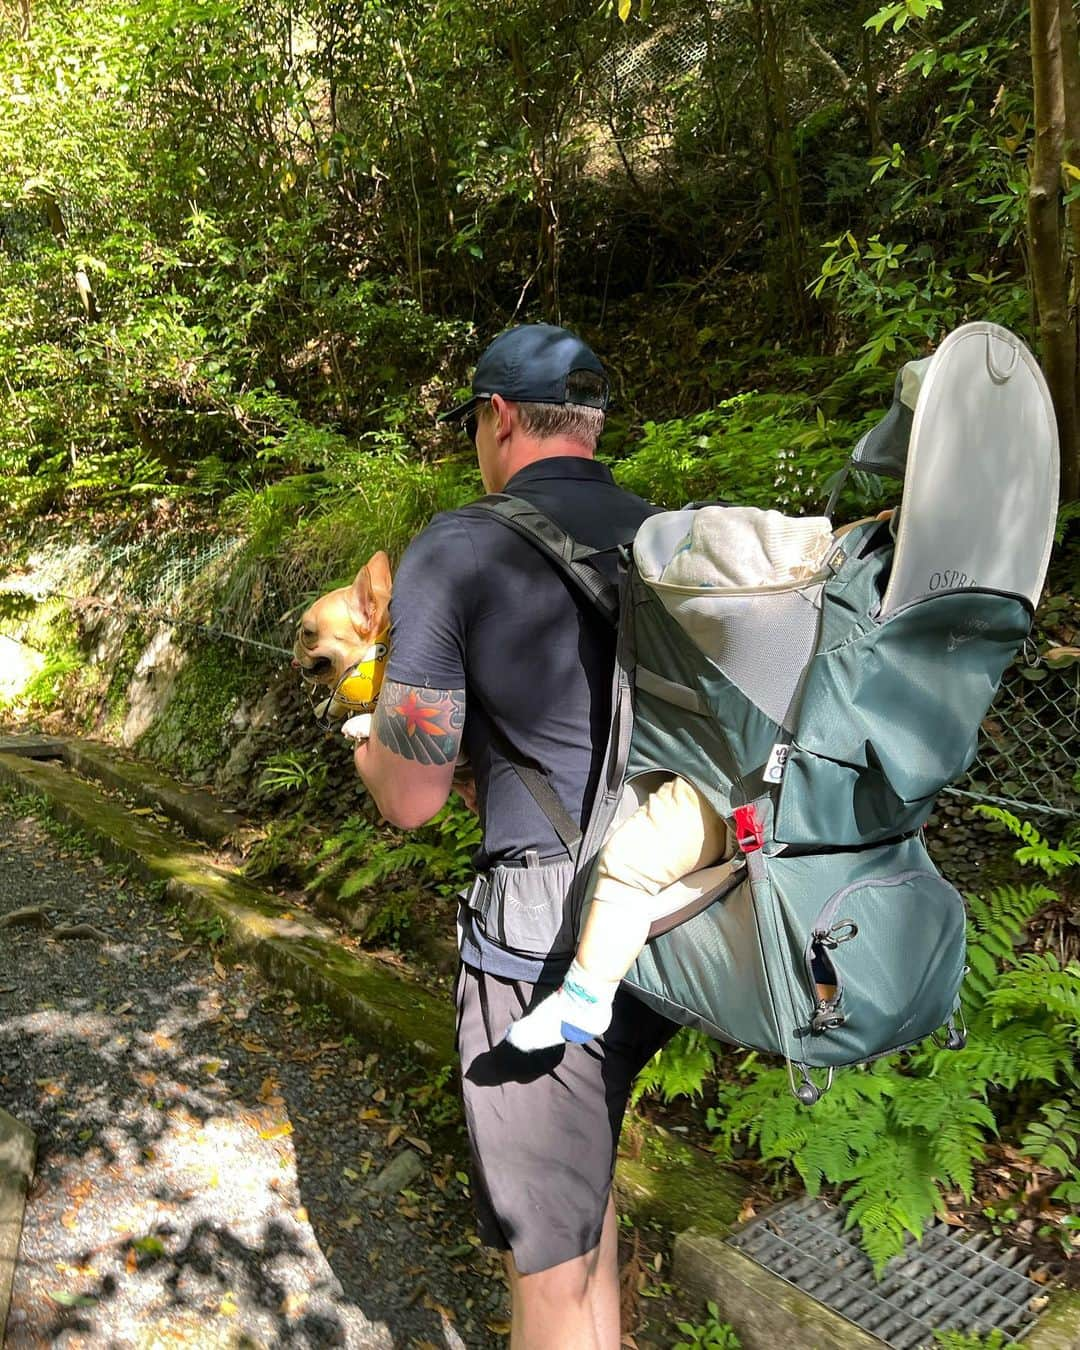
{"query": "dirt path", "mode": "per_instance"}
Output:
(210, 1153)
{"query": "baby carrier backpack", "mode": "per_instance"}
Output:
(822, 717)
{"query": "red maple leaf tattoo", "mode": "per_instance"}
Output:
(417, 714)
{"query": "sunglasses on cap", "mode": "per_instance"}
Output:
(470, 421)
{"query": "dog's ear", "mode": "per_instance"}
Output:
(369, 598)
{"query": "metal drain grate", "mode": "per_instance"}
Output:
(971, 1284)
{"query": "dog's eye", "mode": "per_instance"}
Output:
(308, 634)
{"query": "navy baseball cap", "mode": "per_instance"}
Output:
(532, 364)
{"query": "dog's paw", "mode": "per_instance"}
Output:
(357, 728)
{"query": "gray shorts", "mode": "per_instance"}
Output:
(544, 1127)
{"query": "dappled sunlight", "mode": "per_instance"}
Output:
(187, 1122)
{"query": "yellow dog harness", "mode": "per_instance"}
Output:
(358, 689)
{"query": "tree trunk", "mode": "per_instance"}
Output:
(1050, 264)
(869, 75)
(780, 164)
(544, 186)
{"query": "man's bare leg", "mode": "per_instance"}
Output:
(572, 1306)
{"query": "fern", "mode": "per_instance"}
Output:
(359, 856)
(679, 1069)
(893, 1194)
(1054, 1139)
(996, 927)
(1039, 986)
(954, 1118)
(1035, 848)
(958, 1340)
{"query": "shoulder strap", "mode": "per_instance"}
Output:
(543, 794)
(574, 560)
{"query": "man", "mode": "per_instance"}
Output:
(493, 651)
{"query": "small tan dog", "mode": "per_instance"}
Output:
(342, 643)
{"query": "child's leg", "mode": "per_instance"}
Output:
(672, 833)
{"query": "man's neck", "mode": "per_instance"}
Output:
(551, 447)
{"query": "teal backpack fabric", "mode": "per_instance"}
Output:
(823, 718)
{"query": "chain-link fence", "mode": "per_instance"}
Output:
(194, 581)
(1029, 753)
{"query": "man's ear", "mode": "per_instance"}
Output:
(502, 412)
(369, 598)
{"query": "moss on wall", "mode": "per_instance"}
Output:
(190, 735)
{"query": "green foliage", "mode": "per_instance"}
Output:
(1035, 850)
(956, 1340)
(902, 13)
(757, 450)
(358, 857)
(1054, 1138)
(891, 1136)
(294, 771)
(711, 1334)
(679, 1069)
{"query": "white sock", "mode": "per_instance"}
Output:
(577, 1011)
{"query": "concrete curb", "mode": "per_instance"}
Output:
(765, 1311)
(18, 1150)
(293, 948)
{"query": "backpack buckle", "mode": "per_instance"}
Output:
(749, 831)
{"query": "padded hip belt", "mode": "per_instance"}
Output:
(527, 909)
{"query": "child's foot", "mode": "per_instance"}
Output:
(578, 1010)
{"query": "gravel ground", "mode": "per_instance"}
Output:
(209, 1152)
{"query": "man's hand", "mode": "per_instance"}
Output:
(357, 728)
(464, 784)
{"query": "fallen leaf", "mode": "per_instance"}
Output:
(228, 1306)
(277, 1131)
(67, 1300)
(149, 1246)
(421, 1144)
(300, 1215)
(212, 1067)
(294, 1304)
(396, 1131)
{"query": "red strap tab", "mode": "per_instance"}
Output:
(749, 831)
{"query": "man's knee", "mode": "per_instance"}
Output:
(567, 1284)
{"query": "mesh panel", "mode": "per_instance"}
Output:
(762, 643)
